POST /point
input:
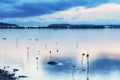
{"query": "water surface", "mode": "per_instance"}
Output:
(29, 51)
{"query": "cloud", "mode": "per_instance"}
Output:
(27, 9)
(77, 15)
(100, 14)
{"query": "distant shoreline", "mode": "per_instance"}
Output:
(58, 26)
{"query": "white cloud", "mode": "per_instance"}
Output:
(106, 12)
(103, 14)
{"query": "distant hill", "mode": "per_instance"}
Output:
(7, 25)
(57, 26)
(72, 26)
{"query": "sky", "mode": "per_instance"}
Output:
(45, 12)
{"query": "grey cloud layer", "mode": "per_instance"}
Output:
(41, 8)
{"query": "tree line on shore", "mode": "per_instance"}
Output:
(57, 26)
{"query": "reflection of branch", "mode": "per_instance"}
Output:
(16, 42)
(76, 45)
(73, 71)
(37, 62)
(72, 75)
(45, 46)
(87, 56)
(50, 55)
(82, 61)
(28, 53)
(38, 52)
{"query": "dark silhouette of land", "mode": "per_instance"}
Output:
(57, 26)
(7, 25)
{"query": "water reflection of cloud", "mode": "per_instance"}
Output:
(98, 66)
(104, 65)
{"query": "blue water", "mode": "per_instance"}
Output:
(80, 35)
(102, 45)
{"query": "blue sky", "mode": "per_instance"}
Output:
(44, 12)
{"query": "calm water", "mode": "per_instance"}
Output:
(80, 54)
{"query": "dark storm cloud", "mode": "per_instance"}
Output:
(41, 8)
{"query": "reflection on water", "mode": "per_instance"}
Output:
(105, 65)
(61, 54)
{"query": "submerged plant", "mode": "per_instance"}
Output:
(51, 62)
(28, 53)
(82, 61)
(87, 56)
(5, 75)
